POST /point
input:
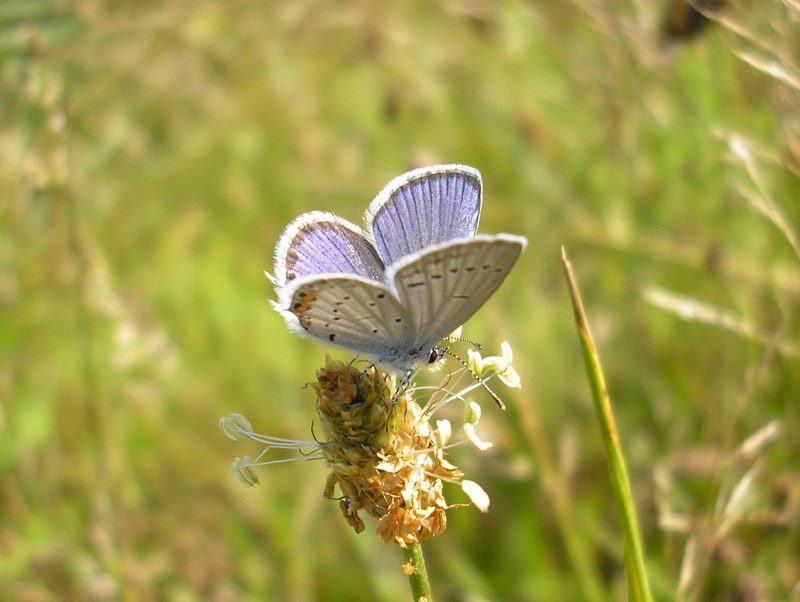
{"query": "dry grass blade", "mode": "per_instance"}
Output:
(773, 68)
(763, 201)
(693, 310)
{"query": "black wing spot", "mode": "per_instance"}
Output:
(380, 295)
(413, 284)
(436, 276)
(398, 320)
(346, 298)
(336, 311)
(453, 270)
(486, 267)
(374, 331)
(498, 270)
(339, 303)
(337, 318)
(331, 336)
(469, 268)
(372, 304)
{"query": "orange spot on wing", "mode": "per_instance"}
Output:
(303, 303)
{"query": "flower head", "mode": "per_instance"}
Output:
(386, 457)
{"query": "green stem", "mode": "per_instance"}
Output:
(638, 585)
(420, 586)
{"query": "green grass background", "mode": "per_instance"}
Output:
(152, 152)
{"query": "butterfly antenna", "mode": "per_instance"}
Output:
(463, 340)
(481, 382)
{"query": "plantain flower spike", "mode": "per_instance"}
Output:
(385, 451)
(385, 458)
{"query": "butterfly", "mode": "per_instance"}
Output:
(394, 290)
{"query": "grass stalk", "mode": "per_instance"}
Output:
(638, 584)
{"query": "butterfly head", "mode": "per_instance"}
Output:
(435, 354)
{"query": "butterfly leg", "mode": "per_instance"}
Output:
(401, 390)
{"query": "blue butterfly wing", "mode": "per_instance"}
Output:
(424, 207)
(318, 243)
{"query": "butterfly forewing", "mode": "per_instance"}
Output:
(447, 284)
(350, 312)
(425, 207)
(321, 243)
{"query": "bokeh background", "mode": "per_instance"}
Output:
(151, 154)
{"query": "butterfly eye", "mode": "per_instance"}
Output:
(434, 355)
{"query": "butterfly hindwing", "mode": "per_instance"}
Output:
(447, 284)
(350, 312)
(425, 207)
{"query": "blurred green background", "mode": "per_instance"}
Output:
(152, 152)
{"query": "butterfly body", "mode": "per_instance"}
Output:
(392, 292)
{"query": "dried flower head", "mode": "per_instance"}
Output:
(385, 457)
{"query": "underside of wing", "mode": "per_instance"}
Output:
(445, 285)
(319, 243)
(347, 311)
(424, 207)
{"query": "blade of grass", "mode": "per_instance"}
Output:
(638, 584)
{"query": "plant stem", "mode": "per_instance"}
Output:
(638, 585)
(420, 586)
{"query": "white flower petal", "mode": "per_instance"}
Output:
(444, 431)
(235, 426)
(241, 468)
(475, 362)
(510, 378)
(508, 355)
(476, 495)
(472, 435)
(472, 413)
